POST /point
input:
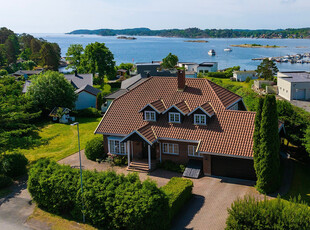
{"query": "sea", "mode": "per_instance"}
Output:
(147, 49)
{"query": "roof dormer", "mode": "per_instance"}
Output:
(181, 107)
(205, 108)
(152, 110)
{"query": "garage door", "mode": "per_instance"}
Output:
(233, 167)
(300, 94)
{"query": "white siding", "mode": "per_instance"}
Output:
(85, 100)
(284, 88)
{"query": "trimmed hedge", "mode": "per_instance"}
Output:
(111, 201)
(249, 213)
(179, 191)
(94, 149)
(13, 165)
(88, 112)
(5, 181)
(218, 75)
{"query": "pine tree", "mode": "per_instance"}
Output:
(269, 148)
(256, 134)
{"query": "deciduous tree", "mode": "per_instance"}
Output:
(74, 57)
(51, 89)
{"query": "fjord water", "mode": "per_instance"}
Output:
(145, 49)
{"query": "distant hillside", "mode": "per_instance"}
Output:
(198, 33)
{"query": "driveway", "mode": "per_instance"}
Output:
(302, 104)
(16, 207)
(208, 207)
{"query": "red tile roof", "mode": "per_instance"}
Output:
(227, 132)
(208, 108)
(159, 105)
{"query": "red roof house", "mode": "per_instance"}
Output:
(178, 119)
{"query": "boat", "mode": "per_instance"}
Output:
(211, 52)
(227, 49)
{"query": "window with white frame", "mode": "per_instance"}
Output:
(149, 116)
(192, 151)
(174, 117)
(170, 148)
(200, 119)
(116, 147)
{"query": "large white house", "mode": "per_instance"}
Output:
(203, 67)
(294, 85)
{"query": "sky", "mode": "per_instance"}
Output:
(61, 16)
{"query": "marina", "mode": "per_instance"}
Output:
(294, 58)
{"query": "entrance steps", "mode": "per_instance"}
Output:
(141, 166)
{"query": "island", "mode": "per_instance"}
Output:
(192, 33)
(257, 46)
(126, 38)
(199, 41)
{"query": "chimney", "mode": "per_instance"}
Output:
(75, 73)
(181, 80)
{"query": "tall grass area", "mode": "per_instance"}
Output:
(60, 140)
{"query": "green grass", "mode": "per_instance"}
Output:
(228, 81)
(62, 139)
(301, 182)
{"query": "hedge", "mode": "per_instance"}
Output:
(250, 213)
(94, 149)
(218, 75)
(179, 191)
(13, 165)
(172, 166)
(5, 181)
(111, 201)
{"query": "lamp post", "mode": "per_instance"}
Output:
(77, 126)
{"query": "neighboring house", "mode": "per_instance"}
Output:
(87, 97)
(26, 85)
(27, 73)
(79, 80)
(121, 72)
(126, 86)
(152, 69)
(203, 67)
(294, 85)
(62, 115)
(243, 75)
(206, 67)
(178, 119)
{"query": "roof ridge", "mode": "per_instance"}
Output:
(239, 111)
(217, 97)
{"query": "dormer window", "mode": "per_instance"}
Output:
(174, 117)
(149, 116)
(200, 119)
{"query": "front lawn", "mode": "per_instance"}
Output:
(61, 139)
(301, 182)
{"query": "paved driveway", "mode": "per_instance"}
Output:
(208, 207)
(16, 208)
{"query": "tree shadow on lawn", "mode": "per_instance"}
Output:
(187, 213)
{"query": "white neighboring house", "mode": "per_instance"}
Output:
(294, 85)
(61, 114)
(87, 97)
(206, 67)
(243, 75)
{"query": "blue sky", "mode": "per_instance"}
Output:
(58, 16)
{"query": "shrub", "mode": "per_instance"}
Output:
(248, 79)
(13, 165)
(249, 213)
(111, 201)
(94, 149)
(5, 181)
(218, 75)
(171, 166)
(88, 112)
(115, 84)
(179, 191)
(120, 160)
(3, 72)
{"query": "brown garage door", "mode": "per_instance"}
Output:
(233, 167)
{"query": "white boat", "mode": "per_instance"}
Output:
(211, 52)
(227, 49)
